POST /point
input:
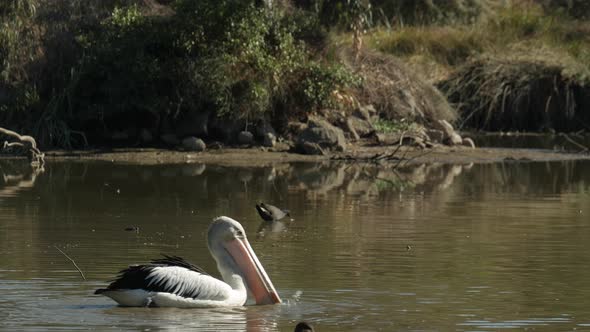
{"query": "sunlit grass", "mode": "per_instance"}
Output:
(393, 126)
(434, 50)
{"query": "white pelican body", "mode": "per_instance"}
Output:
(173, 282)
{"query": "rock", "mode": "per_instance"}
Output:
(193, 123)
(170, 139)
(224, 129)
(362, 127)
(269, 140)
(245, 138)
(268, 134)
(350, 129)
(145, 136)
(296, 128)
(192, 143)
(468, 142)
(451, 137)
(418, 141)
(366, 112)
(454, 139)
(312, 149)
(389, 138)
(322, 133)
(435, 136)
(284, 145)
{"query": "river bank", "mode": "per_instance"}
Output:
(262, 157)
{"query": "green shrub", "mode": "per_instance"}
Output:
(321, 82)
(391, 126)
(129, 70)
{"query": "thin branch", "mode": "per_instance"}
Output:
(13, 144)
(35, 156)
(71, 260)
(569, 139)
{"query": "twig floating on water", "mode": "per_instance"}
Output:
(71, 260)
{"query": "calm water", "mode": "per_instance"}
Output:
(430, 248)
(557, 142)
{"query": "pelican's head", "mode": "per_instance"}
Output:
(229, 246)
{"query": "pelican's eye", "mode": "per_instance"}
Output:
(239, 233)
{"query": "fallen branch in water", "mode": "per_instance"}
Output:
(71, 260)
(27, 143)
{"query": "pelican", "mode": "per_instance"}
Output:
(270, 212)
(173, 282)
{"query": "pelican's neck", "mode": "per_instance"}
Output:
(228, 269)
(234, 280)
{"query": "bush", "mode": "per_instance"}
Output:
(125, 65)
(321, 83)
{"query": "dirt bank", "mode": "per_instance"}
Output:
(260, 157)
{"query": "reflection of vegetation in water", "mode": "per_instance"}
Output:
(396, 184)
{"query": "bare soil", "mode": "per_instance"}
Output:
(260, 157)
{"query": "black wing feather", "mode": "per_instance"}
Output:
(264, 213)
(137, 277)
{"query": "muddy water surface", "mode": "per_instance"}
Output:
(428, 248)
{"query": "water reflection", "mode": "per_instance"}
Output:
(213, 319)
(492, 246)
(17, 175)
(271, 229)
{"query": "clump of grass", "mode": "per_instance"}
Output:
(520, 94)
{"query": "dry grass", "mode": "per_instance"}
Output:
(396, 91)
(520, 67)
(447, 45)
(436, 50)
(432, 51)
(520, 92)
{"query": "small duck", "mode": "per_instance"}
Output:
(270, 212)
(304, 327)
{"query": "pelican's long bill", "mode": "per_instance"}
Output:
(254, 274)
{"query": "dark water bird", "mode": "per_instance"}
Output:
(270, 212)
(304, 327)
(173, 282)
